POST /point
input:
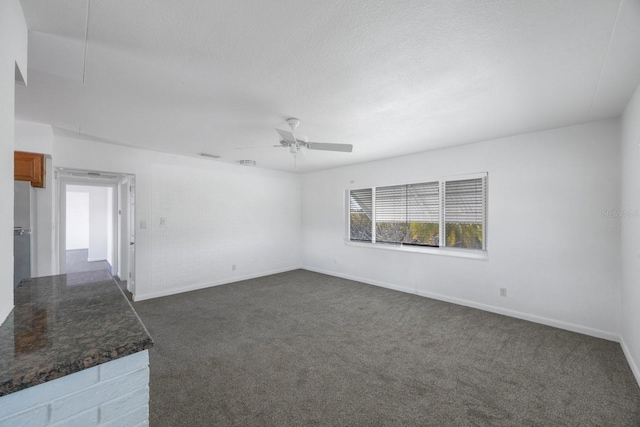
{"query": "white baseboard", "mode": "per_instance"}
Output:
(632, 363)
(95, 259)
(611, 336)
(173, 291)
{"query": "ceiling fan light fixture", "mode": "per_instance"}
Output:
(248, 162)
(293, 123)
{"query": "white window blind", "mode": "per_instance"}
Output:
(391, 214)
(423, 202)
(407, 214)
(464, 213)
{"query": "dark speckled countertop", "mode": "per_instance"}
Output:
(64, 324)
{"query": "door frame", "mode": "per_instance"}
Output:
(123, 225)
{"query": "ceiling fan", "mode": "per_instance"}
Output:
(289, 140)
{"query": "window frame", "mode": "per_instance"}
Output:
(481, 254)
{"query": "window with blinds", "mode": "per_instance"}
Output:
(464, 213)
(408, 214)
(445, 213)
(360, 215)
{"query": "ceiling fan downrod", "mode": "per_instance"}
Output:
(293, 124)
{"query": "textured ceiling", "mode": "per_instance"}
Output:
(389, 77)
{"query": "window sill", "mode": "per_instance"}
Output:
(452, 252)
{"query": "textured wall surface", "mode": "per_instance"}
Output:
(549, 243)
(114, 393)
(211, 226)
(216, 215)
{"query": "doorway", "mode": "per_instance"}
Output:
(95, 223)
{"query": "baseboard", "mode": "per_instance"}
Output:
(610, 336)
(597, 333)
(632, 363)
(359, 279)
(95, 259)
(173, 291)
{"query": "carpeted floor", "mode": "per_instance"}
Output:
(302, 348)
(76, 262)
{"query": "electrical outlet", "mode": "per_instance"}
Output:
(233, 267)
(143, 224)
(503, 292)
(163, 221)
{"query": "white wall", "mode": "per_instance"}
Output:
(548, 242)
(98, 237)
(99, 232)
(77, 220)
(13, 52)
(216, 215)
(630, 232)
(34, 137)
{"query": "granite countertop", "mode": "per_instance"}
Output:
(64, 324)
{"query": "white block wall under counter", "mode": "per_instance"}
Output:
(73, 352)
(115, 392)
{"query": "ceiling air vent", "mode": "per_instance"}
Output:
(248, 162)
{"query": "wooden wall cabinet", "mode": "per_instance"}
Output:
(29, 167)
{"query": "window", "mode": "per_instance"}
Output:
(464, 211)
(360, 215)
(408, 214)
(445, 213)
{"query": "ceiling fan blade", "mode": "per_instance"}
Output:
(326, 146)
(287, 136)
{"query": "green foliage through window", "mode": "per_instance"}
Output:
(460, 235)
(408, 233)
(360, 227)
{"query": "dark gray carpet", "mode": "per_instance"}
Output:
(302, 348)
(76, 262)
